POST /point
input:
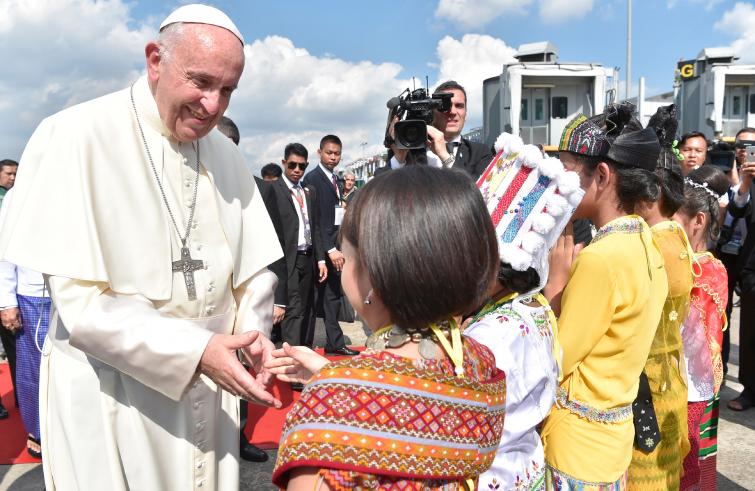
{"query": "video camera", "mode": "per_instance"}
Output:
(722, 155)
(415, 111)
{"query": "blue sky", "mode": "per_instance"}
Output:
(315, 67)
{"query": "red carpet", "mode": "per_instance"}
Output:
(264, 425)
(12, 433)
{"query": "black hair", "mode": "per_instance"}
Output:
(413, 259)
(330, 139)
(697, 199)
(7, 162)
(668, 172)
(518, 281)
(633, 184)
(229, 129)
(296, 149)
(271, 170)
(746, 129)
(448, 86)
(693, 134)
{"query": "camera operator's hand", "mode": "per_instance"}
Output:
(436, 143)
(746, 173)
(399, 153)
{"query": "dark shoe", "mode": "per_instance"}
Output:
(741, 403)
(297, 386)
(3, 412)
(250, 453)
(345, 351)
(33, 447)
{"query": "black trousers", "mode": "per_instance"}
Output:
(9, 345)
(747, 344)
(329, 299)
(296, 328)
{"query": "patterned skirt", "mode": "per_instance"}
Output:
(661, 469)
(35, 319)
(700, 463)
(556, 480)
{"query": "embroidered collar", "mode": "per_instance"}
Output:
(630, 224)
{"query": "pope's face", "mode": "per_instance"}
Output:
(193, 83)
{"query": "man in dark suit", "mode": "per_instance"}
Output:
(447, 148)
(329, 216)
(740, 264)
(303, 253)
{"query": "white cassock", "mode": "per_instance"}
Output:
(121, 404)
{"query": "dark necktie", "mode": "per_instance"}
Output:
(451, 148)
(335, 184)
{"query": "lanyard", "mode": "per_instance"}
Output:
(455, 349)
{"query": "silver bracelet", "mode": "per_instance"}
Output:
(449, 161)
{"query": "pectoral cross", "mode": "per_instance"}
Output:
(187, 266)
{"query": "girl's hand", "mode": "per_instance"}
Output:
(295, 363)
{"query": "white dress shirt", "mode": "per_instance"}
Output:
(18, 280)
(301, 244)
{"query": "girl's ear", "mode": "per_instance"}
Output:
(700, 221)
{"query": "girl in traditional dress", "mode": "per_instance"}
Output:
(659, 450)
(422, 407)
(702, 330)
(537, 197)
(609, 309)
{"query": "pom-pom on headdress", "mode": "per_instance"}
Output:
(530, 198)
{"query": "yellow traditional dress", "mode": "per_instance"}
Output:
(609, 314)
(661, 469)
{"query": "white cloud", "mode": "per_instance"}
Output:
(556, 11)
(739, 21)
(476, 13)
(287, 94)
(57, 53)
(470, 61)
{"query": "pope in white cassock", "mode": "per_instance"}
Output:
(155, 241)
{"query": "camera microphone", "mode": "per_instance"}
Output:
(393, 102)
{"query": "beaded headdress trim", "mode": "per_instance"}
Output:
(703, 186)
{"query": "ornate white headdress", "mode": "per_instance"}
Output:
(530, 198)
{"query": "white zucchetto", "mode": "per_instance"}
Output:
(197, 13)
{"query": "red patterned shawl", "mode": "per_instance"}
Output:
(382, 415)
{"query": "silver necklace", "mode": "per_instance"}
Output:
(186, 264)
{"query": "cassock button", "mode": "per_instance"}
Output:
(210, 309)
(196, 404)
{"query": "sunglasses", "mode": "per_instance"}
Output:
(301, 165)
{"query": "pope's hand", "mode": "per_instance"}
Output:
(257, 354)
(295, 363)
(220, 363)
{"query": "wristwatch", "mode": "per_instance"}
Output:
(449, 161)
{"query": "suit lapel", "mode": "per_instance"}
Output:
(462, 155)
(285, 193)
(327, 181)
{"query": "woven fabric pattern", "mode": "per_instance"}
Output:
(34, 310)
(393, 418)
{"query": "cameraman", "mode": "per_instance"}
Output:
(446, 147)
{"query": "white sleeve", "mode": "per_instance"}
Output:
(741, 199)
(8, 284)
(254, 303)
(128, 333)
(528, 365)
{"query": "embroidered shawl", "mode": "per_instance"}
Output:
(388, 416)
